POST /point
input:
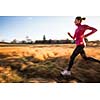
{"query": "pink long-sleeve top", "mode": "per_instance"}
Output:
(79, 34)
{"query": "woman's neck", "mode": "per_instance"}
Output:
(78, 24)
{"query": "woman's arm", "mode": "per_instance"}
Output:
(93, 30)
(73, 37)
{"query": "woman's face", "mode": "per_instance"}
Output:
(77, 22)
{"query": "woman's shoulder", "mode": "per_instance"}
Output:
(85, 26)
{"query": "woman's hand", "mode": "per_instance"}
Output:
(69, 33)
(82, 36)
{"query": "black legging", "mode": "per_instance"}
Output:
(79, 50)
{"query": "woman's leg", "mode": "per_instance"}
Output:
(77, 51)
(82, 53)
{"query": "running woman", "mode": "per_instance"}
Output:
(80, 43)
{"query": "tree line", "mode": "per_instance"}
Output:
(43, 41)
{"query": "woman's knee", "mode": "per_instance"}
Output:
(85, 58)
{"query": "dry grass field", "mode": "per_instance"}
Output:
(43, 64)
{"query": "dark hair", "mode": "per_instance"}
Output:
(80, 18)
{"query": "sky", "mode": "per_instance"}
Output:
(53, 27)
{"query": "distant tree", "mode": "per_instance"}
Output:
(68, 41)
(50, 41)
(44, 38)
(57, 41)
(23, 42)
(14, 41)
(28, 40)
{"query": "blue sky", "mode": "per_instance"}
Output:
(54, 27)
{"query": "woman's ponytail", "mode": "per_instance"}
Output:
(83, 18)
